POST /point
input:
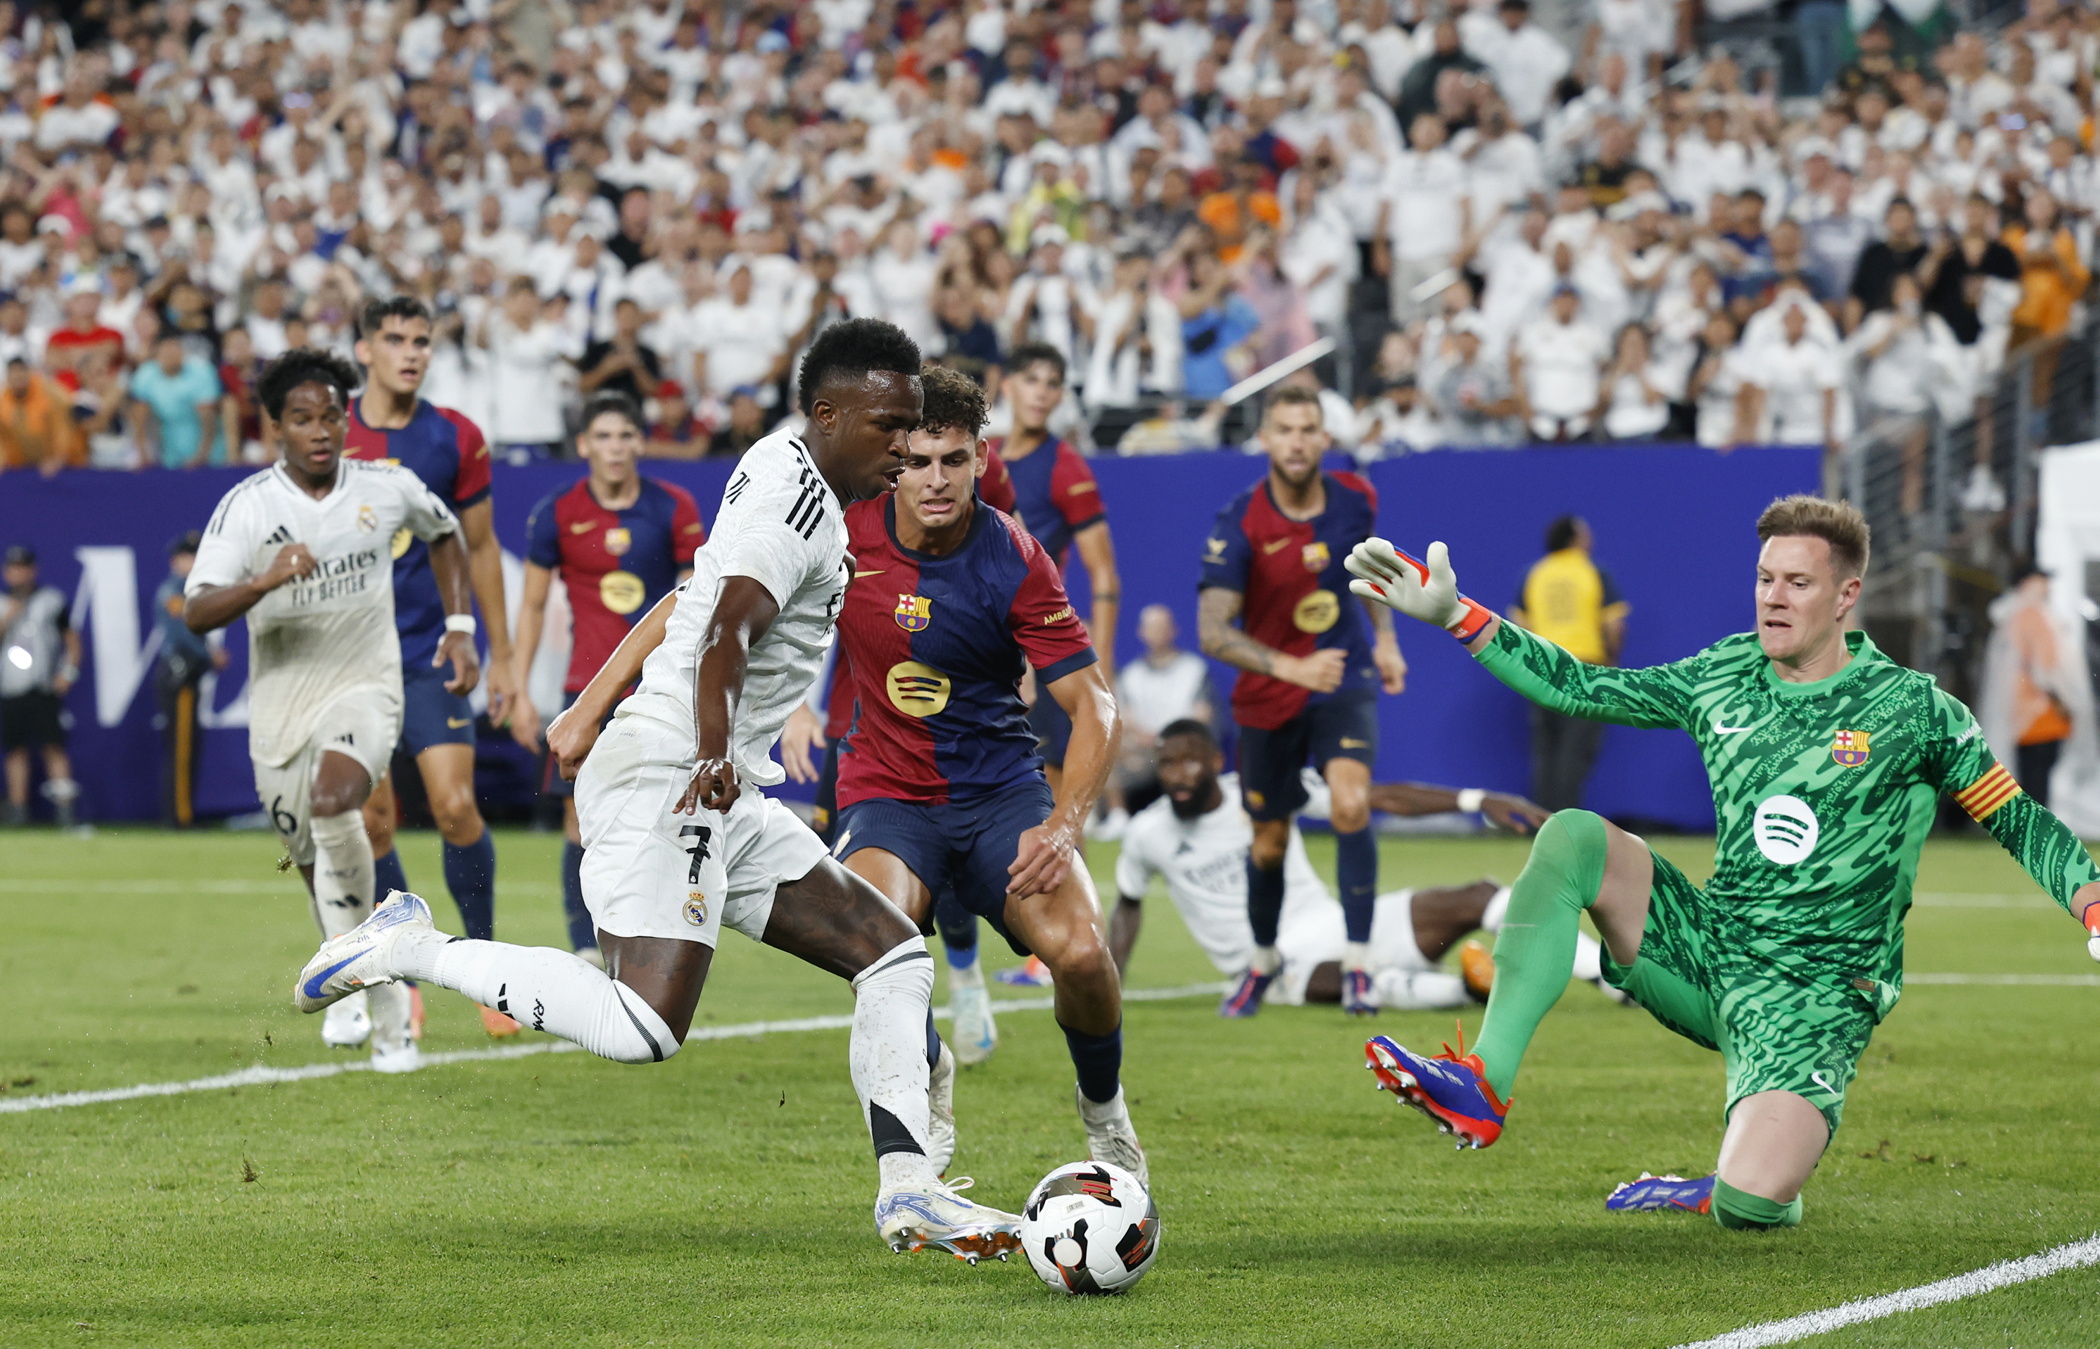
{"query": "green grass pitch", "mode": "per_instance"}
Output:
(723, 1199)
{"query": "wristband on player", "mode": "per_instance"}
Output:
(460, 623)
(1472, 615)
(1470, 799)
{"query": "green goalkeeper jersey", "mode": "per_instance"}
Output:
(1823, 792)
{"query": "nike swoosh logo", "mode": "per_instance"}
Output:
(313, 985)
(1347, 743)
(877, 572)
(456, 722)
(1276, 546)
(1817, 1078)
(1719, 729)
(584, 528)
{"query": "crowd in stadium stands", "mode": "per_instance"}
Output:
(1510, 237)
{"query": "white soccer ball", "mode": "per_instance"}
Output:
(1089, 1227)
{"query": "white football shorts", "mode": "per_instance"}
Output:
(1317, 934)
(363, 723)
(650, 872)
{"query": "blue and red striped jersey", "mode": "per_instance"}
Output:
(936, 647)
(1055, 491)
(615, 564)
(448, 453)
(1296, 591)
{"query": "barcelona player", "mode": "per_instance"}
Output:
(940, 784)
(1311, 663)
(391, 423)
(620, 543)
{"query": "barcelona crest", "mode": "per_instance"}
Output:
(1850, 749)
(913, 612)
(1315, 556)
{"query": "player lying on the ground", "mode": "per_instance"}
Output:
(304, 549)
(940, 785)
(1827, 761)
(675, 846)
(1195, 837)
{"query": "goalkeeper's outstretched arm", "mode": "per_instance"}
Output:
(1544, 673)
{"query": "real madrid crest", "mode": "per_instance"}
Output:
(696, 909)
(1850, 748)
(367, 520)
(913, 612)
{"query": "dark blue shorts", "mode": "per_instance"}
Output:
(1053, 729)
(432, 714)
(1336, 728)
(964, 845)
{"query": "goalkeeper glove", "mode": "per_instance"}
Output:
(2092, 925)
(1428, 591)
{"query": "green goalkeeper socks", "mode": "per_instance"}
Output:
(1535, 950)
(1742, 1211)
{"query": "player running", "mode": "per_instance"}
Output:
(1309, 681)
(940, 784)
(390, 423)
(679, 843)
(1196, 837)
(303, 549)
(1827, 761)
(619, 542)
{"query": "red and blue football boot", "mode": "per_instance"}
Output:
(1245, 998)
(1451, 1088)
(1659, 1192)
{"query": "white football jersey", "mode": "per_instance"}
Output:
(780, 525)
(312, 639)
(1204, 863)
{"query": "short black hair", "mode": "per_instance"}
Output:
(378, 310)
(613, 401)
(1293, 395)
(305, 365)
(1561, 533)
(954, 401)
(1035, 353)
(1189, 726)
(854, 348)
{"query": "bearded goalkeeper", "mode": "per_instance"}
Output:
(1827, 761)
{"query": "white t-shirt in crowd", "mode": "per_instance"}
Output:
(1795, 376)
(1562, 364)
(1152, 696)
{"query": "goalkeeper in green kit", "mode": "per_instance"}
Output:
(1827, 761)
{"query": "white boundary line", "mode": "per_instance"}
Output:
(261, 1075)
(2004, 1274)
(2008, 980)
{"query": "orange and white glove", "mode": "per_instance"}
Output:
(1424, 590)
(2092, 925)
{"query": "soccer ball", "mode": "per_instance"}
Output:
(1090, 1227)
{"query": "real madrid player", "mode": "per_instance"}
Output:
(619, 542)
(304, 550)
(679, 842)
(941, 786)
(1827, 761)
(1311, 665)
(391, 421)
(1195, 838)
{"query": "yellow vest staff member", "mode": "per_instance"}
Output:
(1572, 602)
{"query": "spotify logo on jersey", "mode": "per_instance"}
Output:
(1785, 829)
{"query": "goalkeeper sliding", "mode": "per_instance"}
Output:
(1827, 760)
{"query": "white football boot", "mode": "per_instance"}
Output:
(975, 1034)
(911, 1218)
(940, 1122)
(1110, 1137)
(347, 1024)
(358, 957)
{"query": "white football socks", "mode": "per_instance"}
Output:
(1265, 960)
(1356, 955)
(1588, 955)
(887, 1058)
(555, 992)
(970, 977)
(1491, 916)
(342, 872)
(1418, 990)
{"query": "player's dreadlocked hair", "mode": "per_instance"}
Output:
(954, 401)
(852, 349)
(378, 310)
(1837, 523)
(611, 401)
(304, 365)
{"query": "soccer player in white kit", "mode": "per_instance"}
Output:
(305, 550)
(1196, 836)
(679, 844)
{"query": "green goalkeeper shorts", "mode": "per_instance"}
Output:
(1777, 1027)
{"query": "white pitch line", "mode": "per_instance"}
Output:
(2004, 1274)
(261, 1075)
(2009, 980)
